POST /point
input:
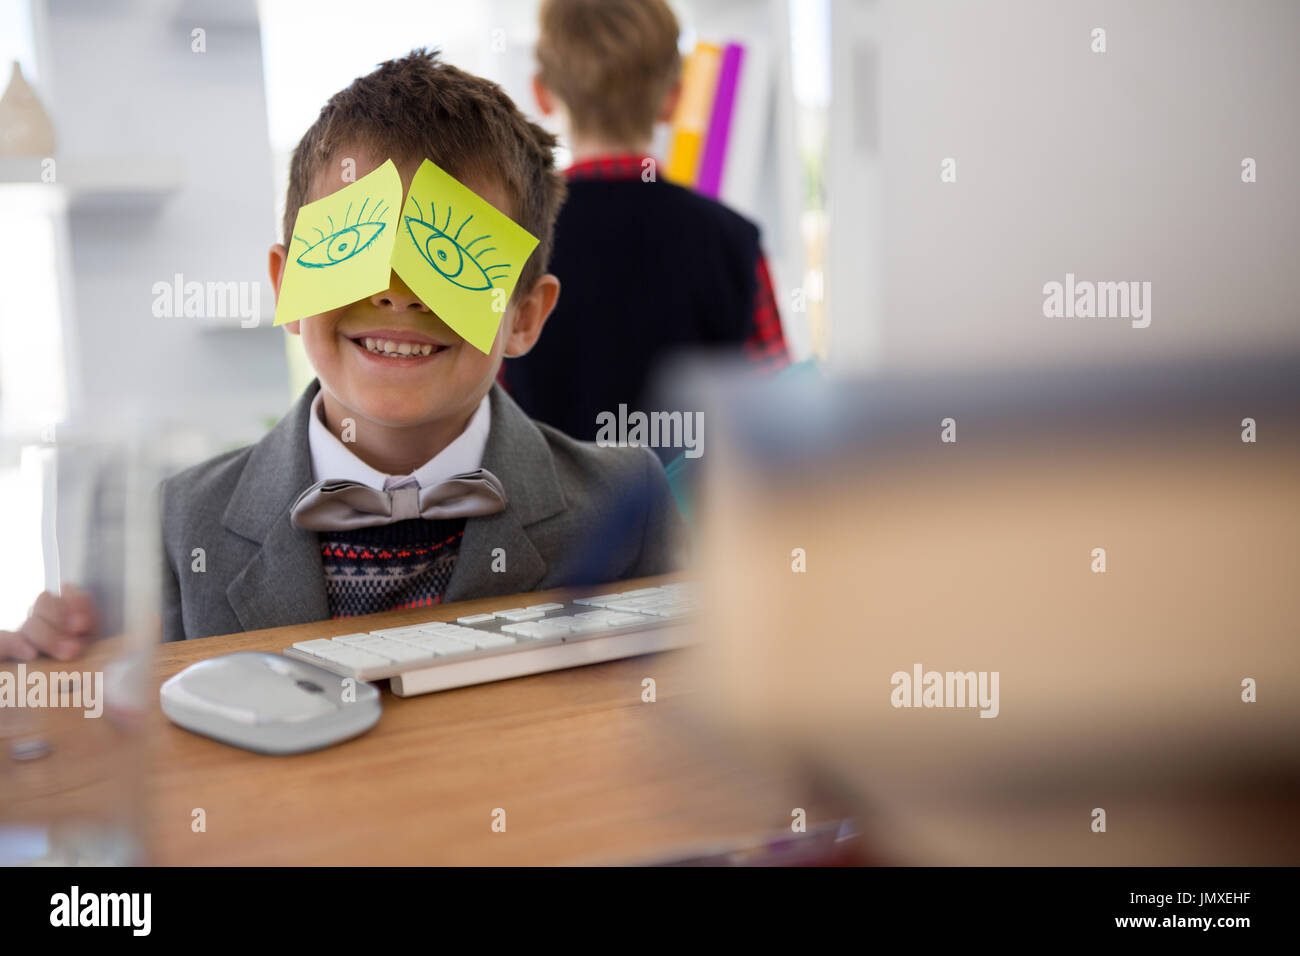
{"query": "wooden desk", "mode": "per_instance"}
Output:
(585, 771)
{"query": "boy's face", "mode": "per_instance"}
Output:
(444, 385)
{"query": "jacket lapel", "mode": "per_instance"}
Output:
(284, 582)
(517, 453)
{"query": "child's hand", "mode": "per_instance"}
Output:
(59, 625)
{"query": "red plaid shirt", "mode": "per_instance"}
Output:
(766, 343)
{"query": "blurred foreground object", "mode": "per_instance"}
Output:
(1121, 690)
(73, 744)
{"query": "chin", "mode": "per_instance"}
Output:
(400, 411)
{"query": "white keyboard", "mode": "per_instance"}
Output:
(511, 642)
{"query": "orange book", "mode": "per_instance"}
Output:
(691, 118)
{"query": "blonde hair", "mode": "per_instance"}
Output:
(611, 62)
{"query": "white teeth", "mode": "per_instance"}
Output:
(396, 349)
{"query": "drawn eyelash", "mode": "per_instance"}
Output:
(340, 245)
(442, 249)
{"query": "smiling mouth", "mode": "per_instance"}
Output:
(391, 348)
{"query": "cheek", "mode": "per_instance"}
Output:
(502, 340)
(474, 365)
(318, 336)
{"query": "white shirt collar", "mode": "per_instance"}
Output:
(332, 459)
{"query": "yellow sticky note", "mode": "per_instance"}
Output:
(342, 246)
(460, 254)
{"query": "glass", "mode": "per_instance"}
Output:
(73, 741)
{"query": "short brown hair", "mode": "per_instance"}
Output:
(417, 107)
(611, 62)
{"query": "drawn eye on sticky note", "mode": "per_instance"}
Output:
(341, 248)
(460, 254)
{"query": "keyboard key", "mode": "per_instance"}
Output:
(428, 640)
(578, 624)
(396, 651)
(520, 615)
(397, 634)
(545, 607)
(638, 607)
(522, 630)
(664, 610)
(588, 626)
(509, 610)
(474, 619)
(467, 634)
(488, 639)
(672, 611)
(640, 592)
(350, 656)
(391, 631)
(448, 647)
(352, 638)
(598, 600)
(546, 629)
(310, 646)
(618, 620)
(419, 640)
(366, 644)
(452, 631)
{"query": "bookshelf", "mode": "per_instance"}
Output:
(761, 175)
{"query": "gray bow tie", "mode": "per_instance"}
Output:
(333, 505)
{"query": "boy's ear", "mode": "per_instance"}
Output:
(545, 102)
(530, 314)
(669, 105)
(275, 266)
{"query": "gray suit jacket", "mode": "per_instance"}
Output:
(576, 514)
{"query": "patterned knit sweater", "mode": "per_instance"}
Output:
(401, 565)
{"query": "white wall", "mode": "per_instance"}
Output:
(854, 257)
(1116, 166)
(127, 94)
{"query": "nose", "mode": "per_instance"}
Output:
(398, 297)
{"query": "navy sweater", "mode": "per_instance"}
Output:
(647, 271)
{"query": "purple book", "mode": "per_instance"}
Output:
(709, 181)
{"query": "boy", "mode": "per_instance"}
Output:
(528, 508)
(648, 267)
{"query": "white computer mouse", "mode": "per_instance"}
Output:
(269, 703)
